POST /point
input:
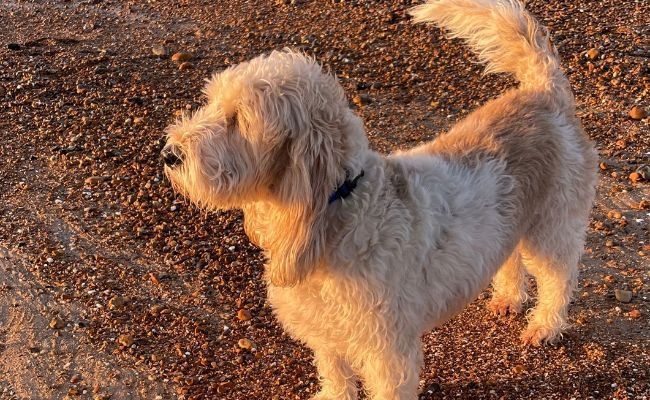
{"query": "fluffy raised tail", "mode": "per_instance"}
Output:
(505, 37)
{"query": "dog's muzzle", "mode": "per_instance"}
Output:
(172, 156)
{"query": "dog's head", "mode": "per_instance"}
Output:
(275, 129)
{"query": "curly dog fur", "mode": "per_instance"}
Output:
(507, 191)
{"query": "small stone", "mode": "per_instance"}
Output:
(125, 340)
(635, 177)
(361, 100)
(185, 66)
(614, 215)
(603, 166)
(624, 296)
(159, 51)
(244, 315)
(156, 309)
(609, 279)
(634, 314)
(76, 378)
(518, 369)
(593, 53)
(224, 387)
(93, 180)
(609, 243)
(245, 344)
(638, 113)
(117, 302)
(644, 172)
(56, 323)
(181, 57)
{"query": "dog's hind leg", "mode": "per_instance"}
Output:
(509, 286)
(338, 381)
(551, 254)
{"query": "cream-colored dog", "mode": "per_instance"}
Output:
(366, 252)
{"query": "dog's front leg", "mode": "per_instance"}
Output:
(393, 374)
(338, 381)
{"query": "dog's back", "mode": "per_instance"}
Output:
(534, 126)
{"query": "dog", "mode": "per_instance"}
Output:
(366, 252)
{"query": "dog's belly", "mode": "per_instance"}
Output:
(333, 312)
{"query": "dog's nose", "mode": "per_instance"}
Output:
(172, 156)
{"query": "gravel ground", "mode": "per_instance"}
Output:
(114, 287)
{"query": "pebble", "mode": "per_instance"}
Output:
(634, 314)
(244, 315)
(624, 296)
(181, 57)
(638, 113)
(56, 323)
(224, 387)
(635, 177)
(117, 302)
(593, 53)
(93, 180)
(185, 66)
(125, 340)
(614, 215)
(159, 51)
(156, 309)
(644, 172)
(518, 369)
(245, 344)
(361, 100)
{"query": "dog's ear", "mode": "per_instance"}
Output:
(302, 117)
(307, 174)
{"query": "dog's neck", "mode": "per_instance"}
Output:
(346, 188)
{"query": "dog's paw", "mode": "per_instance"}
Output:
(328, 396)
(538, 335)
(501, 306)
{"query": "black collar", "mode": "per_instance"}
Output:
(346, 187)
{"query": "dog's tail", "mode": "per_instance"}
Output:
(505, 37)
